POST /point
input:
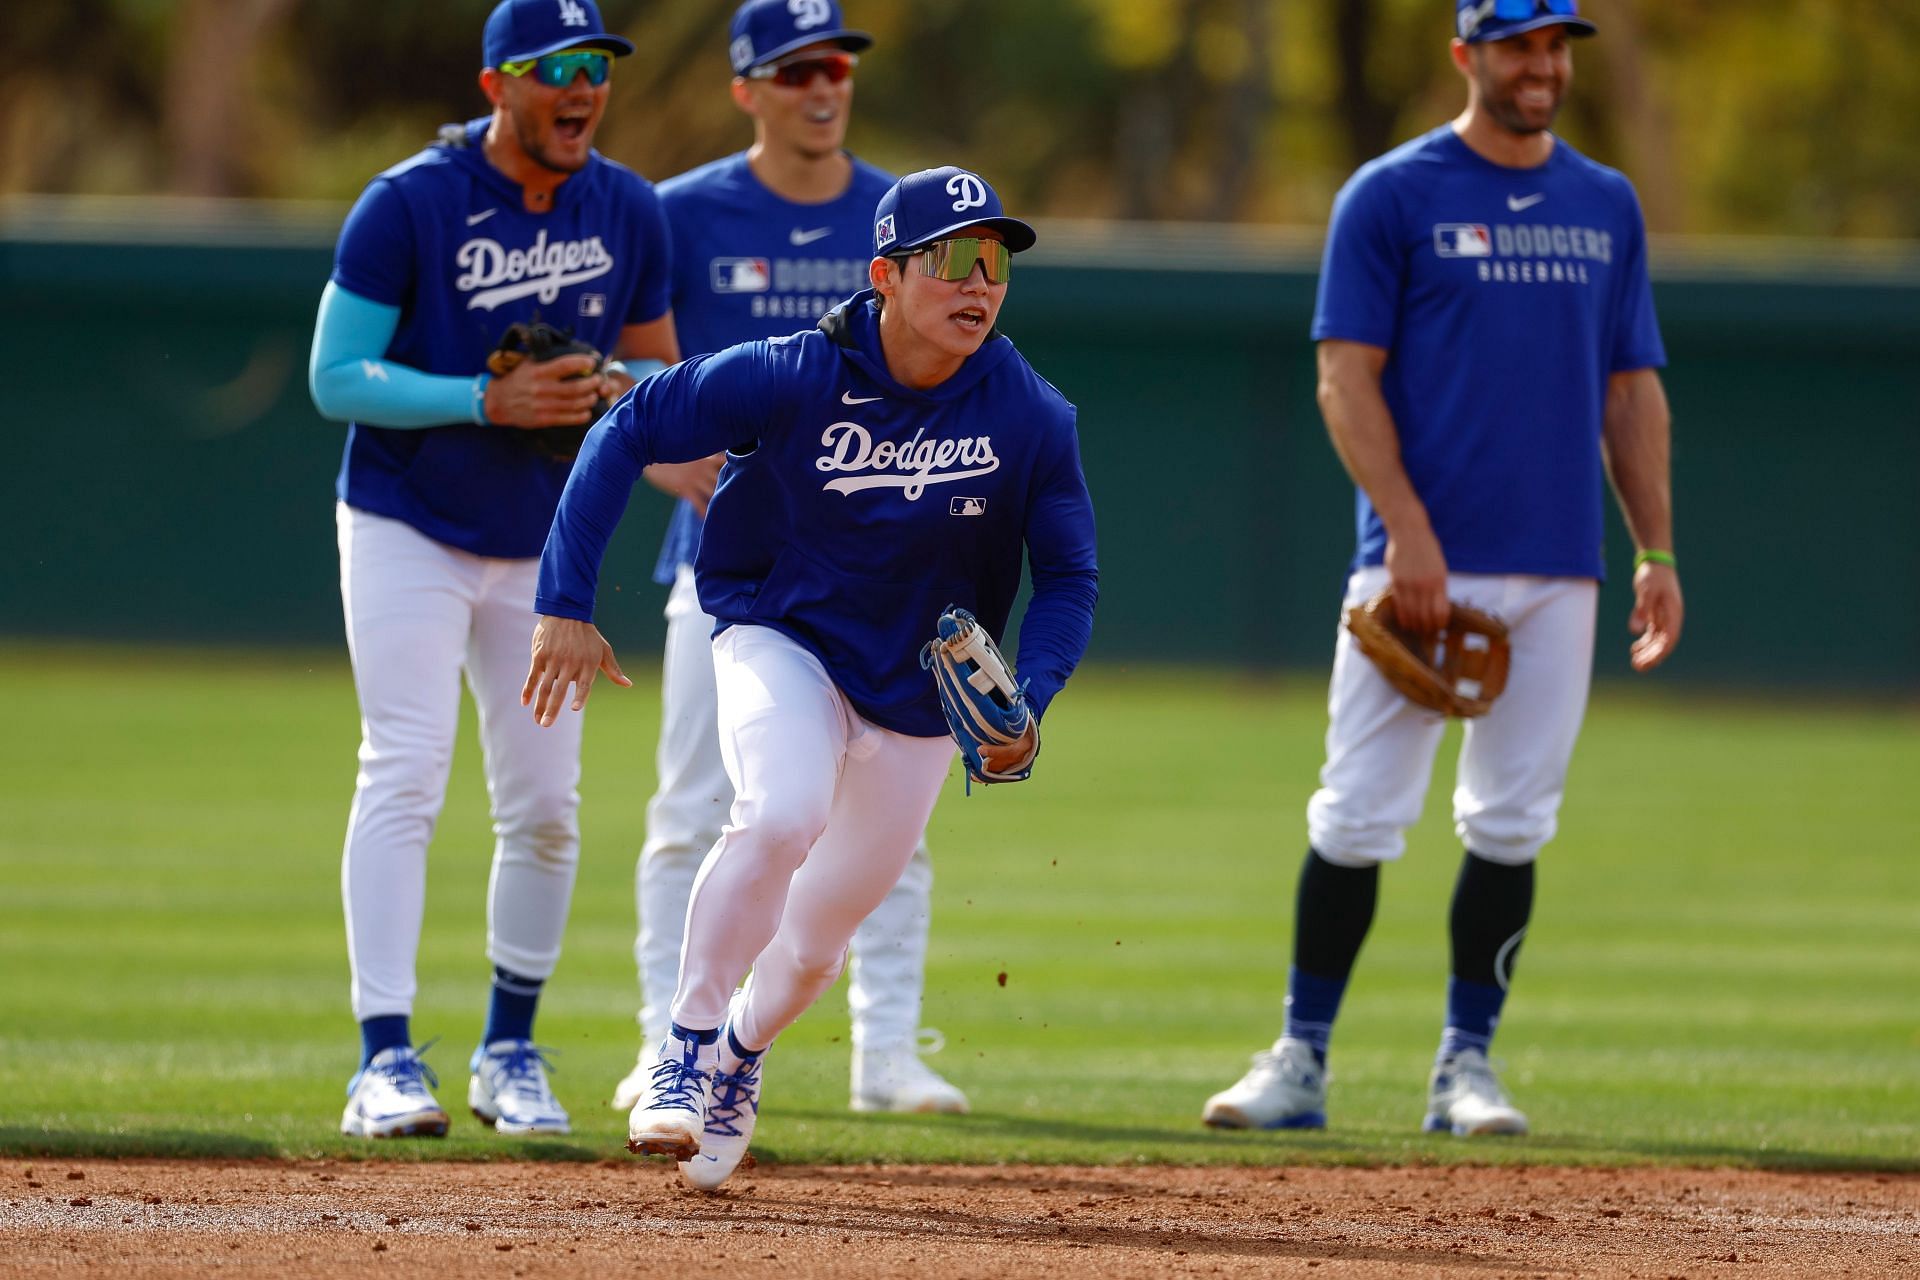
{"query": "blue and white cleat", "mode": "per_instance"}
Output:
(671, 1114)
(391, 1097)
(732, 1109)
(510, 1091)
(1286, 1088)
(1464, 1098)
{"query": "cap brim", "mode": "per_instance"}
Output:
(848, 39)
(1019, 236)
(1503, 31)
(618, 46)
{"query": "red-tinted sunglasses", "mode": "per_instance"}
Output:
(798, 73)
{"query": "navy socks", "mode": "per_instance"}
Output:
(510, 1013)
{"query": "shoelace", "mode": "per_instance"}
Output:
(676, 1085)
(731, 1092)
(409, 1068)
(521, 1068)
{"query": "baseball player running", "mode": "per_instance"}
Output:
(882, 467)
(1487, 347)
(444, 503)
(764, 242)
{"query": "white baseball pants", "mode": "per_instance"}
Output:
(418, 613)
(826, 810)
(684, 820)
(1513, 760)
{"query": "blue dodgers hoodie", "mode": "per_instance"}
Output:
(852, 510)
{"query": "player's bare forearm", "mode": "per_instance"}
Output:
(1364, 435)
(567, 653)
(1636, 436)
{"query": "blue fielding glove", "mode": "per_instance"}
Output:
(987, 712)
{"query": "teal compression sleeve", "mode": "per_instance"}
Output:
(352, 381)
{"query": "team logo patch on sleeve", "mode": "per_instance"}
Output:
(740, 275)
(1462, 240)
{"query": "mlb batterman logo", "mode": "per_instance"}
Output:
(968, 192)
(883, 231)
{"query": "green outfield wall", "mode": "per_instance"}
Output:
(167, 478)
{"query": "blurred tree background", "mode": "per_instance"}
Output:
(1787, 117)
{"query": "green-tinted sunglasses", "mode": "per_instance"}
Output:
(557, 70)
(954, 260)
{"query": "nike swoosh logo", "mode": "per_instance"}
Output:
(475, 219)
(847, 397)
(797, 237)
(1520, 204)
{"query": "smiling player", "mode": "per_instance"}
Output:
(444, 502)
(1488, 353)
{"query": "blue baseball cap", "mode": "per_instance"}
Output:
(1481, 21)
(767, 29)
(521, 29)
(933, 204)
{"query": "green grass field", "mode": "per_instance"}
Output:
(1722, 968)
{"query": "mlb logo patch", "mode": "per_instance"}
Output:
(1462, 240)
(740, 275)
(967, 507)
(883, 231)
(593, 304)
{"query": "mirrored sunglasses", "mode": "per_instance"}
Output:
(954, 260)
(1513, 10)
(557, 70)
(798, 73)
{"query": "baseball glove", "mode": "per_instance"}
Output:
(1458, 671)
(541, 342)
(987, 712)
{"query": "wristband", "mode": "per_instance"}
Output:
(480, 398)
(1655, 557)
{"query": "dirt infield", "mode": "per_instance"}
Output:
(180, 1218)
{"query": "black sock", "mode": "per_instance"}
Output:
(1332, 913)
(1491, 904)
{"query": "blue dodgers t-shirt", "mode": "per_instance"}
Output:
(748, 264)
(445, 237)
(1506, 298)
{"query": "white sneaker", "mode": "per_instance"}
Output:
(1285, 1089)
(892, 1078)
(733, 1106)
(1464, 1098)
(672, 1110)
(509, 1089)
(390, 1098)
(626, 1094)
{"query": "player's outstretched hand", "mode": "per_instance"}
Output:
(1658, 611)
(566, 652)
(1417, 571)
(551, 393)
(695, 481)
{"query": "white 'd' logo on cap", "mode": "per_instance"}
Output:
(808, 14)
(969, 192)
